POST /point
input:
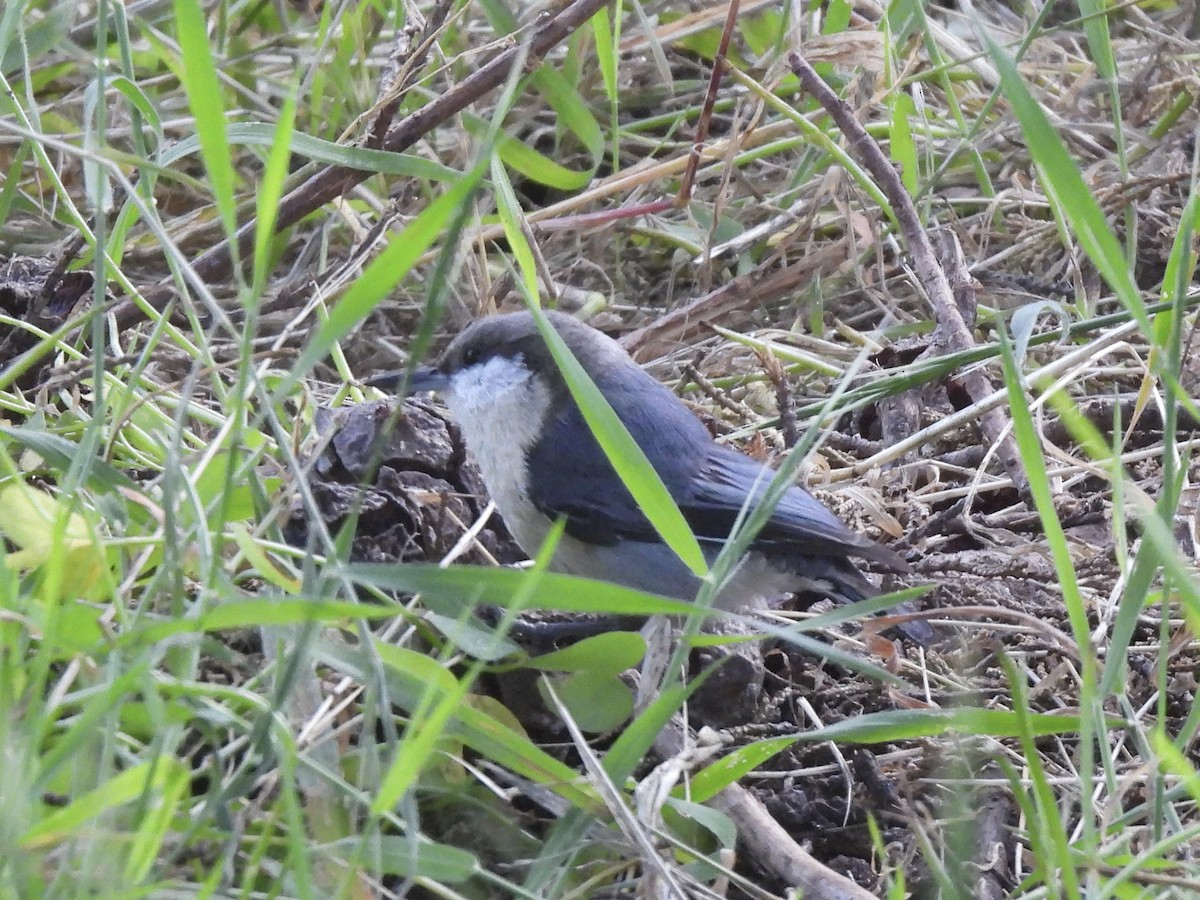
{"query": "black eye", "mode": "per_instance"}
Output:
(470, 356)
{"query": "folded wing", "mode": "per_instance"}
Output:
(709, 482)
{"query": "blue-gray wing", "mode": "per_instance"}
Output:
(799, 524)
(571, 478)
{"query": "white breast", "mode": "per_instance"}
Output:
(500, 406)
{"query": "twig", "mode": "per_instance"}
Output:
(714, 393)
(731, 303)
(774, 849)
(952, 334)
(710, 99)
(764, 839)
(412, 45)
(994, 841)
(783, 397)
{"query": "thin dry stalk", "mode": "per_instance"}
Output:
(952, 334)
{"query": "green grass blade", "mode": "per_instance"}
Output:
(384, 273)
(1069, 196)
(627, 458)
(199, 76)
(270, 190)
(449, 589)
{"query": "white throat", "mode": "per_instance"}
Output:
(500, 407)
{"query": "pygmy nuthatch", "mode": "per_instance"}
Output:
(541, 463)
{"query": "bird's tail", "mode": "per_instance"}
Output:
(840, 580)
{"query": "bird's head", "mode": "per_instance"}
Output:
(496, 357)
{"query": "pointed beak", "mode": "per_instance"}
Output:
(422, 378)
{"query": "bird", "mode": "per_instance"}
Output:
(541, 464)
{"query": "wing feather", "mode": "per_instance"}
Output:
(708, 481)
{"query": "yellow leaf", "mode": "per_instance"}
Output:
(34, 521)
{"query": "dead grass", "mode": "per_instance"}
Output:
(187, 703)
